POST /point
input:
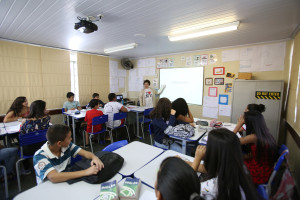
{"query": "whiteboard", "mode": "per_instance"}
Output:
(183, 82)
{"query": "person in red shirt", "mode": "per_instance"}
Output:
(94, 112)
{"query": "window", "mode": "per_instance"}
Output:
(74, 75)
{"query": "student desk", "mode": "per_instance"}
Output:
(148, 173)
(9, 128)
(137, 110)
(50, 191)
(71, 113)
(199, 132)
(145, 191)
(136, 155)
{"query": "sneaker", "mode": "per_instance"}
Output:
(25, 172)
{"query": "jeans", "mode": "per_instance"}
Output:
(175, 146)
(9, 156)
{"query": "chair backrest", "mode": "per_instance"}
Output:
(147, 111)
(115, 145)
(283, 151)
(150, 128)
(32, 138)
(99, 120)
(63, 110)
(76, 159)
(120, 115)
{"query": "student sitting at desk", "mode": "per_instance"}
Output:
(227, 177)
(162, 117)
(71, 104)
(111, 108)
(18, 109)
(36, 120)
(176, 180)
(263, 148)
(90, 114)
(183, 113)
(9, 157)
(96, 96)
(146, 96)
(54, 156)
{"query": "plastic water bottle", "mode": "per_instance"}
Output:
(122, 102)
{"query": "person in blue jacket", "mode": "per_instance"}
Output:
(162, 117)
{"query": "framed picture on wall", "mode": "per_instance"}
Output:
(219, 81)
(208, 81)
(219, 71)
(212, 91)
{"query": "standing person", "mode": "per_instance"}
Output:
(162, 117)
(35, 121)
(263, 148)
(90, 114)
(227, 177)
(183, 113)
(18, 109)
(111, 108)
(176, 180)
(146, 96)
(71, 104)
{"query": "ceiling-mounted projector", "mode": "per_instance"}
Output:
(86, 25)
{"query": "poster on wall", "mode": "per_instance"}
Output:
(171, 62)
(219, 71)
(197, 60)
(223, 99)
(188, 61)
(212, 59)
(212, 91)
(204, 59)
(230, 75)
(228, 87)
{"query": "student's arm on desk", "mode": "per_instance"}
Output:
(123, 109)
(10, 117)
(95, 160)
(57, 177)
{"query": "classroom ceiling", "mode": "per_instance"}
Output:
(51, 23)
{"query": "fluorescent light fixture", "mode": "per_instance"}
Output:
(121, 48)
(206, 31)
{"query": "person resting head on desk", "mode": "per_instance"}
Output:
(52, 159)
(183, 113)
(71, 104)
(18, 109)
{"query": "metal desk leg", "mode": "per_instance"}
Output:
(73, 122)
(184, 147)
(137, 125)
(68, 120)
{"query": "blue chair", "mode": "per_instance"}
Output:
(5, 180)
(115, 145)
(144, 120)
(28, 139)
(283, 152)
(76, 159)
(97, 121)
(150, 132)
(119, 116)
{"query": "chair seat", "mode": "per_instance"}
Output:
(146, 120)
(95, 133)
(122, 125)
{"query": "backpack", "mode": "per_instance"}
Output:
(181, 130)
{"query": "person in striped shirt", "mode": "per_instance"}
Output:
(55, 155)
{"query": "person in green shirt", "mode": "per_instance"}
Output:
(71, 104)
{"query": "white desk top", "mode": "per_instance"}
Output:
(10, 127)
(136, 155)
(136, 108)
(148, 173)
(50, 191)
(82, 114)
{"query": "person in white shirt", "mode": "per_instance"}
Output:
(111, 108)
(146, 96)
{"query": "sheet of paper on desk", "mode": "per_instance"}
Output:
(225, 110)
(147, 195)
(13, 129)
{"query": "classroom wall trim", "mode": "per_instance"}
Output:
(293, 133)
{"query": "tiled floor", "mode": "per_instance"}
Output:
(29, 180)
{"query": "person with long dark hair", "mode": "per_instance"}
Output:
(183, 112)
(227, 177)
(36, 120)
(176, 180)
(18, 109)
(162, 117)
(263, 146)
